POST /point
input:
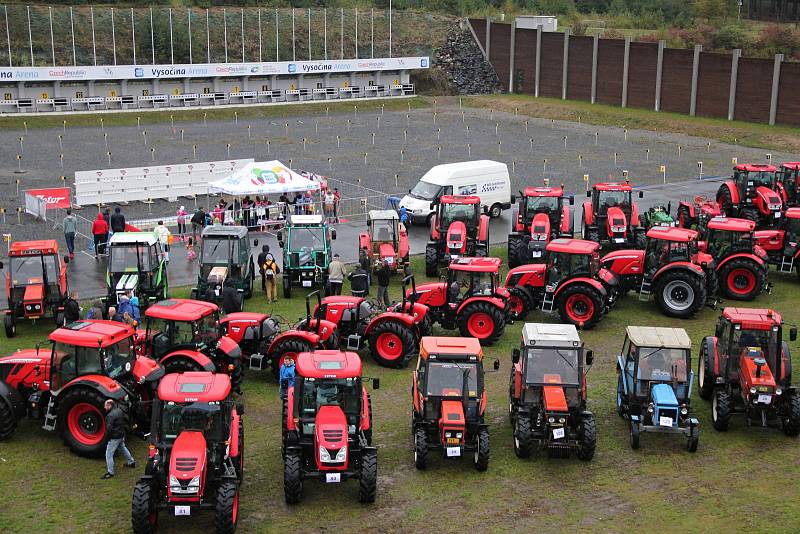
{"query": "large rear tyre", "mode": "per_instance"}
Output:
(519, 302)
(684, 217)
(286, 348)
(523, 437)
(581, 305)
(639, 238)
(705, 380)
(483, 321)
(226, 511)
(425, 326)
(8, 419)
(481, 459)
(431, 260)
(292, 478)
(10, 325)
(287, 287)
(368, 483)
(81, 418)
(392, 344)
(680, 294)
(742, 279)
(721, 410)
(791, 424)
(144, 512)
(725, 202)
(587, 438)
(420, 449)
(516, 251)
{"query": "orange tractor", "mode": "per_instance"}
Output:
(458, 228)
(386, 240)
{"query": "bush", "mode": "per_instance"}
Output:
(778, 39)
(729, 37)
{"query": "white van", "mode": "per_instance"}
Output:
(484, 178)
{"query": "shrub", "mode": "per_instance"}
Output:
(778, 39)
(729, 37)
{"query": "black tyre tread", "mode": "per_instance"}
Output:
(287, 286)
(8, 421)
(431, 260)
(482, 456)
(497, 316)
(283, 346)
(368, 483)
(224, 509)
(142, 505)
(406, 336)
(421, 449)
(687, 218)
(292, 478)
(723, 411)
(699, 293)
(639, 238)
(426, 326)
(10, 326)
(588, 290)
(705, 381)
(634, 436)
(725, 201)
(791, 425)
(516, 247)
(588, 438)
(71, 397)
(742, 263)
(523, 436)
(527, 304)
(593, 234)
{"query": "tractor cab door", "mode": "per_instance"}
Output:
(558, 267)
(740, 178)
(630, 354)
(69, 362)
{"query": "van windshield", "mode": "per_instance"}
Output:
(425, 190)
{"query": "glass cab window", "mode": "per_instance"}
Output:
(70, 362)
(610, 199)
(304, 239)
(383, 230)
(534, 205)
(425, 190)
(551, 366)
(342, 392)
(662, 364)
(118, 358)
(129, 258)
(217, 251)
(468, 283)
(466, 213)
(27, 270)
(204, 417)
(661, 252)
(445, 379)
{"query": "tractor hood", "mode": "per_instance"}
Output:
(33, 300)
(147, 370)
(768, 201)
(755, 372)
(187, 465)
(540, 227)
(330, 436)
(663, 396)
(432, 294)
(554, 398)
(457, 238)
(386, 253)
(616, 224)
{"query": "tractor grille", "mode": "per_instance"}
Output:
(185, 464)
(558, 450)
(332, 435)
(672, 413)
(618, 222)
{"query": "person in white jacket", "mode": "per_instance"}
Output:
(163, 233)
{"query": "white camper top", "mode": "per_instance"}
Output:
(446, 173)
(144, 238)
(310, 220)
(659, 337)
(550, 335)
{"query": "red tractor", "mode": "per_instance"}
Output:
(746, 367)
(196, 453)
(611, 217)
(542, 214)
(183, 335)
(751, 194)
(386, 240)
(788, 184)
(571, 282)
(67, 386)
(448, 396)
(458, 228)
(696, 214)
(36, 284)
(327, 425)
(782, 245)
(471, 299)
(547, 393)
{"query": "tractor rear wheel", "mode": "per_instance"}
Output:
(581, 305)
(391, 344)
(287, 348)
(431, 260)
(481, 460)
(287, 286)
(58, 319)
(587, 438)
(519, 303)
(420, 449)
(721, 410)
(368, 483)
(482, 320)
(10, 325)
(516, 251)
(82, 420)
(639, 238)
(226, 511)
(705, 381)
(751, 214)
(181, 365)
(8, 419)
(292, 478)
(725, 201)
(680, 294)
(425, 326)
(742, 279)
(634, 435)
(144, 512)
(238, 462)
(523, 438)
(684, 217)
(791, 425)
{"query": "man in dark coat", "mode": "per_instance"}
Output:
(117, 222)
(262, 258)
(358, 282)
(72, 310)
(116, 425)
(231, 301)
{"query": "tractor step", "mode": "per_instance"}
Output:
(50, 417)
(787, 264)
(353, 342)
(549, 300)
(645, 290)
(257, 362)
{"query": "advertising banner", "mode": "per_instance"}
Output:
(55, 197)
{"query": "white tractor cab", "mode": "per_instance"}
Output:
(486, 179)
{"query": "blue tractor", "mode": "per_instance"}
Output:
(654, 383)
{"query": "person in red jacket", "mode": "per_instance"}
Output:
(100, 233)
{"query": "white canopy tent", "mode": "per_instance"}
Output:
(262, 178)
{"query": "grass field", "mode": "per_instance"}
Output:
(744, 479)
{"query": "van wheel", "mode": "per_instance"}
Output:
(495, 210)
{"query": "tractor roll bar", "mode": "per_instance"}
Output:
(308, 308)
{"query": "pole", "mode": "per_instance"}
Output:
(72, 31)
(171, 47)
(113, 37)
(259, 35)
(324, 32)
(372, 33)
(294, 55)
(341, 34)
(94, 44)
(390, 28)
(152, 39)
(277, 40)
(8, 37)
(52, 41)
(242, 35)
(309, 34)
(225, 31)
(30, 35)
(208, 38)
(356, 14)
(189, 16)
(133, 36)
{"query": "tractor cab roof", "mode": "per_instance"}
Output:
(674, 234)
(305, 220)
(613, 186)
(477, 265)
(572, 246)
(459, 199)
(194, 387)
(144, 238)
(181, 309)
(753, 318)
(731, 224)
(383, 215)
(220, 231)
(91, 333)
(791, 165)
(658, 337)
(450, 348)
(543, 191)
(755, 167)
(41, 247)
(328, 364)
(550, 335)
(793, 213)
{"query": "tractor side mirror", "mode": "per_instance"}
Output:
(669, 207)
(433, 205)
(255, 242)
(793, 333)
(588, 194)
(333, 235)
(496, 365)
(66, 260)
(641, 194)
(513, 199)
(376, 383)
(589, 357)
(1, 265)
(369, 223)
(515, 356)
(572, 200)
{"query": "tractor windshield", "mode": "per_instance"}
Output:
(661, 252)
(610, 199)
(342, 392)
(306, 239)
(425, 190)
(383, 231)
(216, 251)
(722, 243)
(27, 270)
(205, 417)
(765, 340)
(118, 359)
(534, 205)
(662, 364)
(447, 379)
(167, 333)
(551, 366)
(756, 179)
(469, 283)
(122, 258)
(208, 329)
(70, 361)
(466, 213)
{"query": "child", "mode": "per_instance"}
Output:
(191, 255)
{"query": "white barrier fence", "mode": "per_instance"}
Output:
(35, 206)
(148, 183)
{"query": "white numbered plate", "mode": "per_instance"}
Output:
(537, 253)
(183, 510)
(453, 451)
(333, 477)
(619, 240)
(306, 283)
(558, 433)
(777, 215)
(665, 421)
(764, 399)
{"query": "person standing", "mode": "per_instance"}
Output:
(337, 199)
(100, 233)
(70, 224)
(358, 282)
(163, 233)
(261, 260)
(231, 300)
(363, 260)
(117, 221)
(198, 222)
(113, 315)
(181, 219)
(96, 311)
(287, 374)
(272, 271)
(72, 309)
(328, 203)
(384, 274)
(336, 274)
(116, 425)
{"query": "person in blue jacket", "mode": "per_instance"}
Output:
(286, 376)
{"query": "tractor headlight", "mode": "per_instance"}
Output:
(684, 411)
(38, 307)
(324, 455)
(459, 435)
(341, 455)
(753, 390)
(194, 485)
(174, 485)
(651, 408)
(551, 419)
(448, 434)
(561, 420)
(778, 391)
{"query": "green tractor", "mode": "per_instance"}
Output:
(136, 264)
(658, 216)
(306, 244)
(225, 259)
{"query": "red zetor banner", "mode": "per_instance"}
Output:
(57, 197)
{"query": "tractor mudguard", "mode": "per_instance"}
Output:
(301, 335)
(482, 408)
(518, 380)
(786, 362)
(751, 257)
(621, 371)
(596, 284)
(712, 354)
(12, 399)
(326, 328)
(624, 262)
(530, 275)
(781, 190)
(364, 424)
(290, 424)
(519, 224)
(198, 357)
(234, 443)
(108, 387)
(147, 370)
(364, 242)
(684, 265)
(229, 348)
(566, 221)
(635, 221)
(434, 228)
(765, 197)
(494, 301)
(407, 320)
(588, 213)
(483, 229)
(734, 191)
(688, 206)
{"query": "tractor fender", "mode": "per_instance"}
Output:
(229, 348)
(290, 422)
(588, 213)
(517, 380)
(595, 284)
(416, 398)
(326, 328)
(198, 357)
(743, 255)
(234, 443)
(688, 206)
(624, 262)
(12, 399)
(147, 369)
(621, 372)
(407, 320)
(402, 242)
(517, 222)
(482, 409)
(635, 215)
(683, 265)
(364, 425)
(483, 229)
(494, 301)
(301, 335)
(766, 196)
(712, 354)
(108, 387)
(734, 191)
(781, 190)
(364, 241)
(786, 363)
(434, 228)
(566, 221)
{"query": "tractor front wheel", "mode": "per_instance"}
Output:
(238, 461)
(587, 438)
(516, 251)
(287, 348)
(721, 410)
(292, 478)
(431, 260)
(420, 449)
(581, 305)
(144, 512)
(639, 238)
(634, 435)
(791, 425)
(226, 512)
(482, 320)
(680, 294)
(368, 483)
(481, 460)
(694, 439)
(287, 286)
(705, 381)
(391, 344)
(519, 303)
(82, 420)
(523, 437)
(725, 201)
(742, 279)
(10, 325)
